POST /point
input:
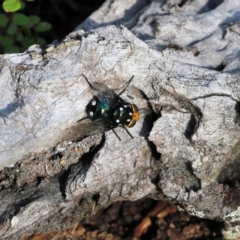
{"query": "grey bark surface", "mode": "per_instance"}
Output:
(185, 62)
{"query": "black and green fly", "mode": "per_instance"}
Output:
(108, 110)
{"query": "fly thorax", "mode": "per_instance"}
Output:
(96, 109)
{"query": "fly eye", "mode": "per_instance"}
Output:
(136, 116)
(132, 123)
(134, 108)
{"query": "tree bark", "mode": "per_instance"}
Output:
(184, 59)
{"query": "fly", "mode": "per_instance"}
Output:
(108, 110)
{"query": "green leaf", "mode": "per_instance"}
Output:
(40, 41)
(12, 29)
(43, 26)
(34, 19)
(20, 19)
(3, 20)
(27, 32)
(6, 41)
(19, 37)
(11, 5)
(23, 5)
(12, 49)
(26, 42)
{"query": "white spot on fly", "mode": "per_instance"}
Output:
(91, 114)
(125, 106)
(93, 103)
(117, 121)
(130, 114)
(121, 108)
(129, 120)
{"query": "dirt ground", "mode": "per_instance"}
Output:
(140, 220)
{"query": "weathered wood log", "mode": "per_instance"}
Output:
(184, 59)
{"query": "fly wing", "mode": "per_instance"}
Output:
(92, 128)
(98, 126)
(85, 128)
(99, 87)
(106, 95)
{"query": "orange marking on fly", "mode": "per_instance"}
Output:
(135, 116)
